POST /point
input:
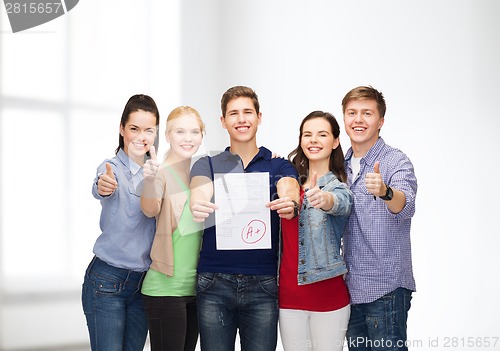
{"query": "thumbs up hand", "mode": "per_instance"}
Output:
(316, 197)
(374, 183)
(107, 184)
(151, 165)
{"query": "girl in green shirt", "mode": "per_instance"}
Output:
(169, 286)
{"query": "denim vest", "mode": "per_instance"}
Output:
(320, 233)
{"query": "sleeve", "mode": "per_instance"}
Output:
(201, 168)
(342, 200)
(286, 169)
(402, 177)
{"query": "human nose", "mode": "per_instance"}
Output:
(357, 117)
(241, 117)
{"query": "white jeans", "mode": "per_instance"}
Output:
(316, 331)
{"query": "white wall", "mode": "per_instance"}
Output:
(437, 62)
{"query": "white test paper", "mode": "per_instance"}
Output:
(242, 219)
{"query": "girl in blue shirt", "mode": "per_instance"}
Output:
(111, 296)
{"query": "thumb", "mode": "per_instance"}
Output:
(376, 167)
(152, 152)
(109, 171)
(314, 179)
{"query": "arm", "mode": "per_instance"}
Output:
(151, 197)
(152, 193)
(375, 185)
(288, 192)
(202, 191)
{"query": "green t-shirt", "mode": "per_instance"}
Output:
(186, 242)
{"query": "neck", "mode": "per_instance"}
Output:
(361, 149)
(319, 167)
(180, 166)
(246, 151)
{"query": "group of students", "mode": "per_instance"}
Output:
(338, 269)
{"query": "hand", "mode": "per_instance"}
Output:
(275, 155)
(107, 184)
(201, 210)
(284, 206)
(151, 165)
(374, 183)
(316, 197)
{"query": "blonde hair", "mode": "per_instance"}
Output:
(183, 111)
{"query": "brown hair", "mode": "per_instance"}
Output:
(301, 162)
(236, 92)
(139, 102)
(365, 93)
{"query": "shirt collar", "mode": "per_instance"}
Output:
(133, 167)
(371, 156)
(263, 152)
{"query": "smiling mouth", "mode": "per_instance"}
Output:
(242, 129)
(314, 149)
(359, 129)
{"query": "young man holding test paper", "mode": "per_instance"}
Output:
(237, 288)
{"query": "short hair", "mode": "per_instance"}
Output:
(365, 93)
(236, 92)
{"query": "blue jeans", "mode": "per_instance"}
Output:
(228, 302)
(112, 302)
(381, 324)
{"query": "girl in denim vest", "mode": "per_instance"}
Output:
(313, 297)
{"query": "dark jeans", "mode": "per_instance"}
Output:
(112, 302)
(231, 302)
(381, 324)
(173, 322)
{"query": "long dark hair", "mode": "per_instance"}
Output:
(336, 164)
(135, 103)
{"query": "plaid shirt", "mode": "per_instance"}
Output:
(377, 244)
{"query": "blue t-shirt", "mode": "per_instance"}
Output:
(127, 234)
(253, 262)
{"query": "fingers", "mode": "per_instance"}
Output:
(201, 210)
(373, 181)
(314, 179)
(109, 171)
(283, 206)
(315, 197)
(106, 184)
(151, 166)
(152, 153)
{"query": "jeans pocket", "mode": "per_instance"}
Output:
(107, 287)
(270, 285)
(204, 281)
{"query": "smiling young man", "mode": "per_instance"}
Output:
(237, 288)
(377, 244)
